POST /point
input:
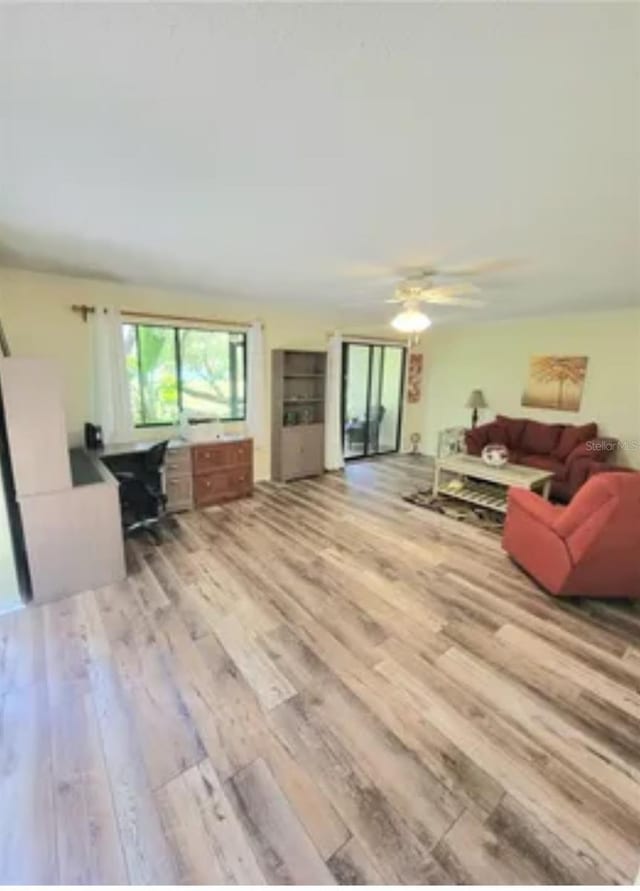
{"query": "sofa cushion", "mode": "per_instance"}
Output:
(540, 439)
(476, 439)
(515, 427)
(571, 437)
(497, 434)
(545, 462)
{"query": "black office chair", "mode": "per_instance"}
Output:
(142, 499)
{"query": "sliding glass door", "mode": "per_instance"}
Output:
(372, 390)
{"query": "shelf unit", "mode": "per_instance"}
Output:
(294, 377)
(300, 400)
(297, 429)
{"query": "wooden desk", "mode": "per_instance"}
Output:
(68, 501)
(137, 447)
(196, 474)
(73, 536)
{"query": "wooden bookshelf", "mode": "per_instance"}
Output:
(297, 429)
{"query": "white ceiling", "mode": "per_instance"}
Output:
(271, 151)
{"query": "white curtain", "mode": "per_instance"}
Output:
(111, 403)
(333, 458)
(256, 385)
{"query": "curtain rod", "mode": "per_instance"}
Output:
(85, 310)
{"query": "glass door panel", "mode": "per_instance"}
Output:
(376, 409)
(355, 394)
(373, 377)
(391, 399)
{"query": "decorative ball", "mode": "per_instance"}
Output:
(495, 455)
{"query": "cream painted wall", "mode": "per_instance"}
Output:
(35, 310)
(495, 358)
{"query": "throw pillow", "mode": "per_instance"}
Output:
(498, 434)
(515, 428)
(571, 437)
(476, 439)
(540, 439)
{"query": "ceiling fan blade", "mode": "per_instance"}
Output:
(445, 300)
(415, 273)
(456, 289)
(413, 290)
(483, 267)
(411, 270)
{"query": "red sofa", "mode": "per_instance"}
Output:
(589, 548)
(568, 451)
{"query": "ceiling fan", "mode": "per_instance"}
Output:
(423, 288)
(436, 285)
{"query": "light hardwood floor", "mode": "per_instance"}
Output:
(321, 684)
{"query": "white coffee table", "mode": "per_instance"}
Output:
(469, 476)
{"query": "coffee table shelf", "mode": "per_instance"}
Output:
(470, 479)
(476, 494)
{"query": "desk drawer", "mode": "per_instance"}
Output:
(241, 480)
(241, 453)
(222, 485)
(178, 462)
(221, 454)
(209, 457)
(210, 488)
(179, 492)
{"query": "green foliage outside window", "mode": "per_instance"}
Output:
(171, 369)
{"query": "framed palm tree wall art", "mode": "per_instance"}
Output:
(555, 382)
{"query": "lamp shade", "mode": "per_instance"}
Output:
(476, 400)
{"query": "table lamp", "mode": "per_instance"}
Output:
(475, 401)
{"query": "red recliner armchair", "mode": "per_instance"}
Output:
(591, 548)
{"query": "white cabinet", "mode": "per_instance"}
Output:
(74, 537)
(36, 429)
(69, 509)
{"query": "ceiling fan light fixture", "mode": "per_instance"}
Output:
(411, 321)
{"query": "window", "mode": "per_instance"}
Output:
(193, 369)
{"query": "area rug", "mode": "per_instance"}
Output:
(480, 517)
